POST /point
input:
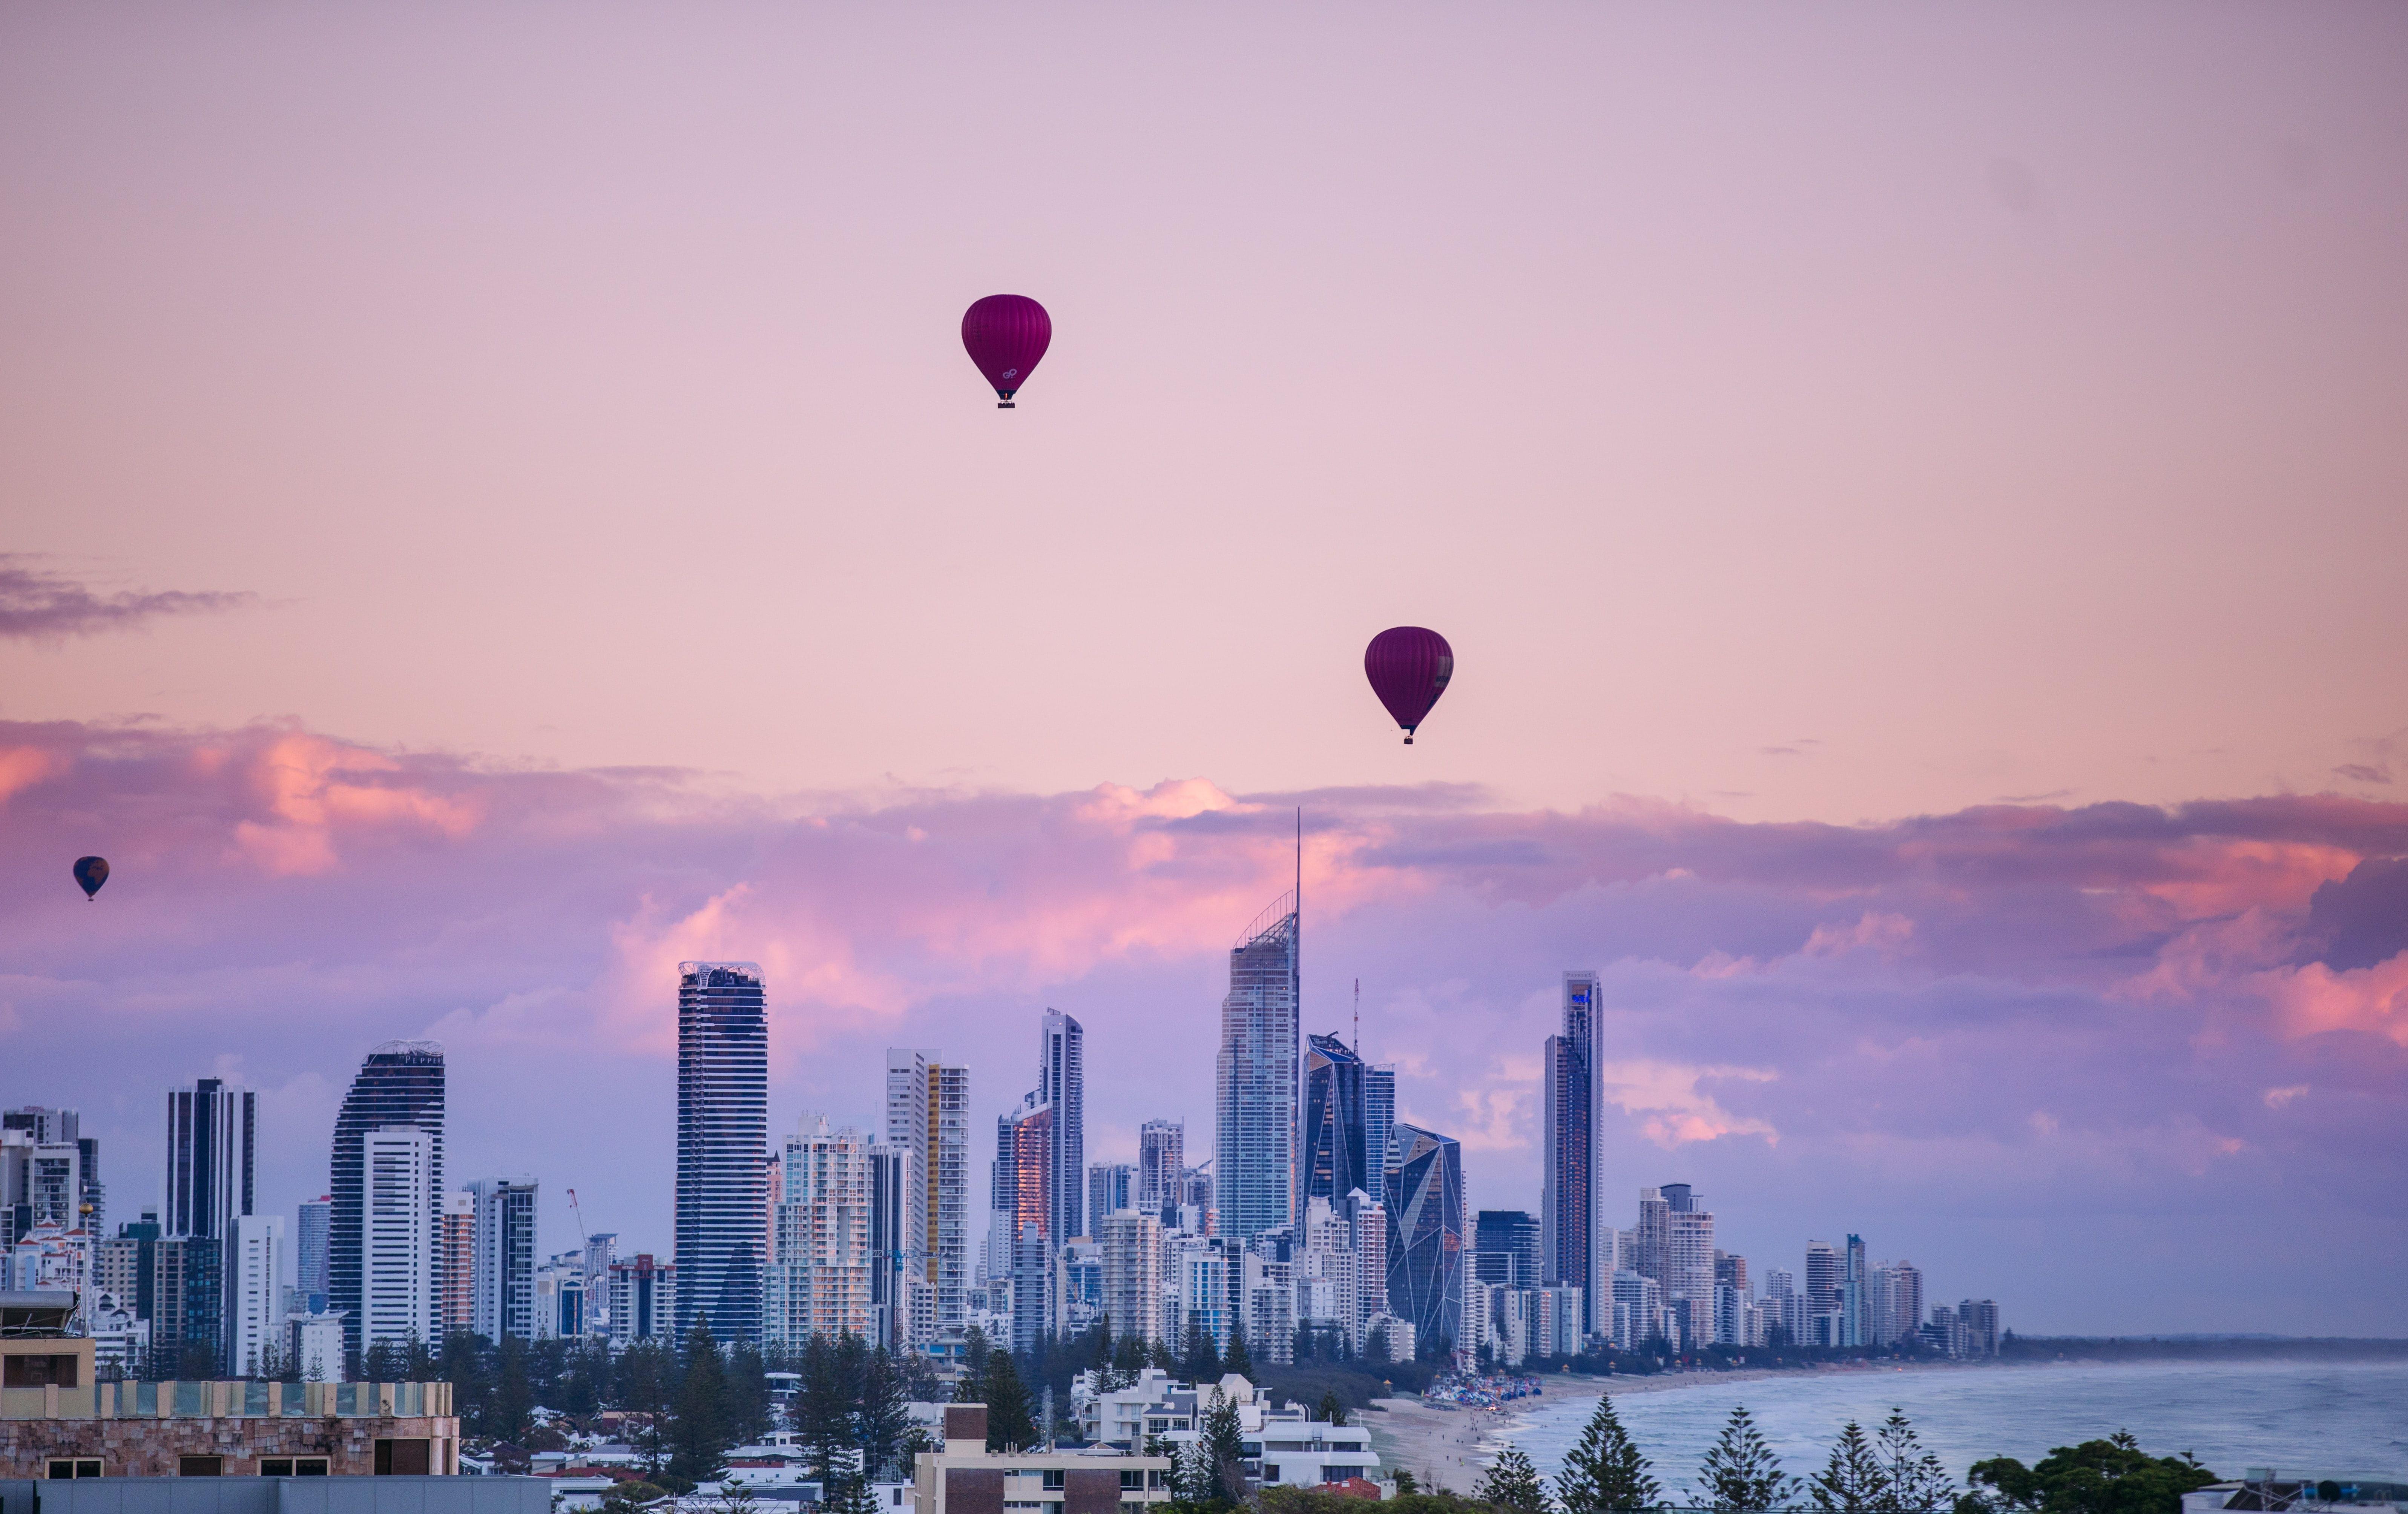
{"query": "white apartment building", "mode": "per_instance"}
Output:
(1132, 1248)
(397, 1253)
(255, 1293)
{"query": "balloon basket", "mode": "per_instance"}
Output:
(1005, 404)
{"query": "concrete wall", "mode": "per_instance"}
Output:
(279, 1495)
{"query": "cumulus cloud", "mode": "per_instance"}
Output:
(38, 605)
(1824, 1027)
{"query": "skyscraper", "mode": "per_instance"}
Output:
(254, 1292)
(456, 1263)
(1111, 1187)
(1425, 1235)
(819, 1280)
(210, 1180)
(309, 1229)
(723, 1189)
(1855, 1296)
(891, 1222)
(1505, 1248)
(1338, 1154)
(1378, 1126)
(211, 1176)
(1061, 1083)
(63, 1127)
(928, 1112)
(395, 1183)
(399, 1083)
(1567, 1201)
(501, 1294)
(1254, 1139)
(1161, 1162)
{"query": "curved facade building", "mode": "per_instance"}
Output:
(722, 1184)
(400, 1083)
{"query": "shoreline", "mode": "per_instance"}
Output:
(1449, 1448)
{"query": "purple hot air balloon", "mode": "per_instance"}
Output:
(1006, 335)
(1409, 668)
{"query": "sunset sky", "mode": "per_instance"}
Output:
(493, 503)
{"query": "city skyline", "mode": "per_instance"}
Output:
(1711, 1157)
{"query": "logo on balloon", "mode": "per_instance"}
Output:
(1011, 374)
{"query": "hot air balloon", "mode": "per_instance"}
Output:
(91, 871)
(1006, 335)
(1409, 668)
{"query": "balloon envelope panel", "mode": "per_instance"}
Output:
(1409, 666)
(91, 871)
(1006, 335)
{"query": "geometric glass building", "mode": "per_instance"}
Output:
(1426, 1245)
(1256, 1138)
(1337, 1147)
(399, 1083)
(722, 1143)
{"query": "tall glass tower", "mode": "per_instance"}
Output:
(1568, 1200)
(1062, 1082)
(399, 1083)
(723, 1183)
(1254, 1145)
(1337, 1156)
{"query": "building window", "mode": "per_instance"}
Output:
(292, 1466)
(65, 1467)
(1133, 1480)
(1270, 1472)
(401, 1459)
(200, 1466)
(1053, 1476)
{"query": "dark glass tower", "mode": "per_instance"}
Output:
(1426, 1239)
(1505, 1247)
(723, 1182)
(1568, 1197)
(1254, 1141)
(1337, 1144)
(399, 1083)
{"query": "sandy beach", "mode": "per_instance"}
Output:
(1451, 1447)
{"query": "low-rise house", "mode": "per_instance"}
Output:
(965, 1479)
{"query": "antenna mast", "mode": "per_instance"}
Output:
(1358, 1016)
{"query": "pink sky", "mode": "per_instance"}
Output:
(1797, 420)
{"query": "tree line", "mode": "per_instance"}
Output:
(1888, 1471)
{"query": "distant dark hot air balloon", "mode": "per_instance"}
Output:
(92, 871)
(1409, 668)
(1006, 335)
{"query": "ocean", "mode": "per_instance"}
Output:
(2320, 1418)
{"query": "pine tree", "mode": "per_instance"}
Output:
(1913, 1479)
(971, 1386)
(1203, 1356)
(823, 1407)
(1741, 1474)
(1008, 1423)
(746, 1412)
(1605, 1474)
(1852, 1482)
(1237, 1360)
(508, 1413)
(1222, 1447)
(1331, 1411)
(885, 1410)
(698, 1433)
(1513, 1483)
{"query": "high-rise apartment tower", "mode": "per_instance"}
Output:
(399, 1083)
(1256, 1136)
(723, 1147)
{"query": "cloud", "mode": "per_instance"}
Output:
(35, 605)
(1827, 1026)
